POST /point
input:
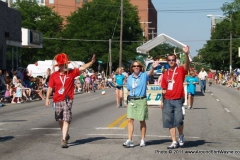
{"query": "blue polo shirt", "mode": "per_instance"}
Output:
(140, 83)
(191, 88)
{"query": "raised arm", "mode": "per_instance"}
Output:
(187, 62)
(89, 64)
(154, 65)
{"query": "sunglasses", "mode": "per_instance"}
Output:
(136, 66)
(171, 60)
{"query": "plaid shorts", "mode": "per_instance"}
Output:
(63, 111)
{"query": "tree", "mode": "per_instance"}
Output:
(163, 49)
(216, 51)
(94, 24)
(42, 19)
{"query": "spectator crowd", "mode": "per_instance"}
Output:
(19, 86)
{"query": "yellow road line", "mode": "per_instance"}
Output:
(124, 124)
(114, 123)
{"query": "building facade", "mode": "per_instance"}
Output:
(10, 36)
(147, 12)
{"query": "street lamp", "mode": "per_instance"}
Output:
(213, 26)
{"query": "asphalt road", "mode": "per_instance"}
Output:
(29, 131)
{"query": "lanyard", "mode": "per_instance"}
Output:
(134, 85)
(63, 81)
(173, 73)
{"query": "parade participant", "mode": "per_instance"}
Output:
(210, 77)
(191, 82)
(173, 90)
(119, 81)
(63, 83)
(137, 106)
(202, 76)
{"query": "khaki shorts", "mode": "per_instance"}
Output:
(63, 111)
(138, 109)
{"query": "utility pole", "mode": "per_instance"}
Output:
(110, 57)
(144, 29)
(9, 3)
(230, 66)
(152, 32)
(121, 34)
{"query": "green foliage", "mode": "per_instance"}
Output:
(44, 20)
(163, 49)
(217, 50)
(96, 20)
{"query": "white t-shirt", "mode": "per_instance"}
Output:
(202, 75)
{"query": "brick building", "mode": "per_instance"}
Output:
(147, 12)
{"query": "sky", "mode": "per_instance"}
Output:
(187, 21)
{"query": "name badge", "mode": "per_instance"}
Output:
(61, 91)
(170, 86)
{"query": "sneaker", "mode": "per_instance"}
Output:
(67, 138)
(128, 144)
(142, 143)
(173, 145)
(64, 144)
(181, 140)
(189, 107)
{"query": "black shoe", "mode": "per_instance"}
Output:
(67, 138)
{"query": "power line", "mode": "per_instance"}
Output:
(128, 41)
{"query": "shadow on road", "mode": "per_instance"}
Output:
(198, 93)
(13, 120)
(87, 140)
(7, 138)
(158, 142)
(198, 108)
(188, 144)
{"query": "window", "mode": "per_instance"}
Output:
(85, 1)
(77, 1)
(51, 1)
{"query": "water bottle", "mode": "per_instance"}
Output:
(183, 110)
(53, 106)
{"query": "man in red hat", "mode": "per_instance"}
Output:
(63, 83)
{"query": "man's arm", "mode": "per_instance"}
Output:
(89, 64)
(187, 62)
(49, 92)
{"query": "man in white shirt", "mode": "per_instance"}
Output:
(202, 75)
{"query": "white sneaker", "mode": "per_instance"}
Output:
(181, 140)
(173, 145)
(128, 144)
(142, 143)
